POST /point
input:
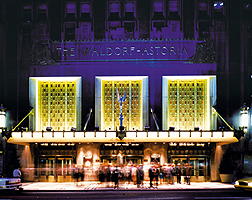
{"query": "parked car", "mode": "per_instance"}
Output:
(244, 184)
(10, 183)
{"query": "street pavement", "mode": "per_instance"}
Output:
(94, 185)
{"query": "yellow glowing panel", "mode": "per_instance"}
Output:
(131, 109)
(56, 105)
(187, 103)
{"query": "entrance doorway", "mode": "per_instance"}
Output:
(53, 169)
(199, 167)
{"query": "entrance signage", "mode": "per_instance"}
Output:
(124, 50)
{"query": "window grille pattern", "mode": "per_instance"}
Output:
(57, 105)
(131, 107)
(187, 104)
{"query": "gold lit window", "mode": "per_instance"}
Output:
(131, 109)
(187, 104)
(57, 105)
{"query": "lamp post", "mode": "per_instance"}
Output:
(244, 118)
(3, 145)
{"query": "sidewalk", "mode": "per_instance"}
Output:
(86, 185)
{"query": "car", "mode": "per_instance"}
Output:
(244, 184)
(10, 183)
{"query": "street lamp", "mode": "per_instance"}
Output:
(2, 118)
(2, 128)
(244, 118)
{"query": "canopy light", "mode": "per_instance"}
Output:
(73, 129)
(173, 144)
(48, 128)
(218, 5)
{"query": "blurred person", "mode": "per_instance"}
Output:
(128, 173)
(161, 174)
(156, 175)
(82, 173)
(165, 177)
(188, 171)
(76, 174)
(140, 176)
(178, 172)
(173, 173)
(134, 174)
(115, 177)
(17, 173)
(169, 173)
(101, 174)
(108, 175)
(151, 175)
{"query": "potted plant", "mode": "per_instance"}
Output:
(227, 167)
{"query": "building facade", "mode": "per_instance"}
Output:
(72, 61)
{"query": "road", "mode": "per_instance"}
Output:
(225, 194)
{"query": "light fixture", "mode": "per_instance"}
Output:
(173, 144)
(218, 5)
(196, 128)
(48, 128)
(171, 128)
(73, 129)
(244, 118)
(146, 128)
(2, 117)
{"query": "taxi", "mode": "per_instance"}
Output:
(244, 184)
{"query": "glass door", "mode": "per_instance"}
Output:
(51, 169)
(198, 166)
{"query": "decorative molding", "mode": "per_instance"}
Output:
(204, 52)
(41, 54)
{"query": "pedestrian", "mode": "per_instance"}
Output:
(161, 174)
(76, 174)
(101, 174)
(82, 173)
(168, 173)
(173, 173)
(134, 174)
(115, 177)
(165, 177)
(17, 173)
(151, 175)
(188, 171)
(178, 172)
(140, 176)
(156, 175)
(108, 175)
(128, 173)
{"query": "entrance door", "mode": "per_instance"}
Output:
(198, 167)
(42, 170)
(55, 169)
(64, 171)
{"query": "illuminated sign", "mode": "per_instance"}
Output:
(123, 50)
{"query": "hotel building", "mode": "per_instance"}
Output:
(70, 61)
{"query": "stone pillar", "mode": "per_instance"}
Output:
(216, 156)
(26, 161)
(90, 153)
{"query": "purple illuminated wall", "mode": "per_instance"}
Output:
(115, 65)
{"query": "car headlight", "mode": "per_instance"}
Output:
(250, 184)
(236, 182)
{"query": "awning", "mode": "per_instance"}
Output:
(27, 137)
